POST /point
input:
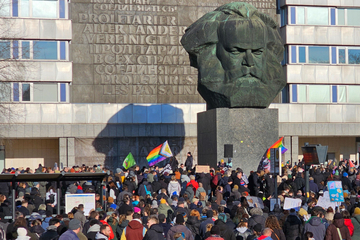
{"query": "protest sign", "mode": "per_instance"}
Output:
(290, 203)
(324, 201)
(255, 202)
(273, 202)
(335, 191)
(202, 168)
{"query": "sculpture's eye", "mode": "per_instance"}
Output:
(258, 51)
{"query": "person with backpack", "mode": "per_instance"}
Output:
(201, 194)
(145, 188)
(51, 231)
(135, 230)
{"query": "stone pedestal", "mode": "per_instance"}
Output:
(251, 131)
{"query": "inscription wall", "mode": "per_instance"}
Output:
(129, 51)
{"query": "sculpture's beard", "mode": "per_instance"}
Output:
(243, 76)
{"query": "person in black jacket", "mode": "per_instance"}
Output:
(225, 231)
(293, 226)
(189, 161)
(51, 231)
(254, 183)
(155, 231)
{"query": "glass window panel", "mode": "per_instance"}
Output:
(333, 22)
(317, 16)
(16, 92)
(319, 55)
(293, 54)
(24, 8)
(319, 93)
(26, 92)
(353, 94)
(62, 51)
(294, 93)
(302, 54)
(45, 50)
(4, 50)
(45, 92)
(333, 55)
(302, 93)
(283, 14)
(353, 17)
(354, 56)
(300, 15)
(293, 15)
(334, 93)
(44, 8)
(15, 49)
(5, 92)
(62, 92)
(15, 8)
(25, 50)
(341, 17)
(341, 55)
(62, 9)
(342, 94)
(5, 6)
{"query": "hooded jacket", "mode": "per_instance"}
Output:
(315, 226)
(164, 209)
(179, 228)
(155, 232)
(174, 186)
(134, 231)
(93, 230)
(100, 236)
(333, 234)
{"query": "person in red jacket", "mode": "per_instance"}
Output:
(194, 183)
(347, 222)
(135, 230)
(103, 220)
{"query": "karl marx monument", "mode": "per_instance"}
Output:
(237, 51)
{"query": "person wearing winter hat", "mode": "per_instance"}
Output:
(337, 230)
(256, 217)
(179, 227)
(154, 204)
(71, 233)
(225, 231)
(22, 234)
(164, 208)
(356, 222)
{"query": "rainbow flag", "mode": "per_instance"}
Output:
(277, 144)
(158, 154)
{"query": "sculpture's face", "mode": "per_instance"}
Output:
(237, 52)
(242, 52)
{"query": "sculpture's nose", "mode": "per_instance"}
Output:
(248, 59)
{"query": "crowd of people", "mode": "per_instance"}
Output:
(178, 203)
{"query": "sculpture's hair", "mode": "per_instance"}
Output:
(198, 36)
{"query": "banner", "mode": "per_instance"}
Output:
(335, 191)
(202, 169)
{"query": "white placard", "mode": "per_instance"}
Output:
(73, 200)
(273, 202)
(290, 203)
(324, 201)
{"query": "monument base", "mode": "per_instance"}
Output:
(250, 131)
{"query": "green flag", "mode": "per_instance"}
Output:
(129, 161)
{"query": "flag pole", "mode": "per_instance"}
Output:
(280, 161)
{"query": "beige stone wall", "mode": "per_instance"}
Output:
(343, 147)
(31, 152)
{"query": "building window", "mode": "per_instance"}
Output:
(324, 16)
(42, 8)
(34, 92)
(334, 94)
(294, 92)
(5, 8)
(354, 55)
(318, 54)
(38, 50)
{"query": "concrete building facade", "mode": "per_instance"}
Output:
(89, 81)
